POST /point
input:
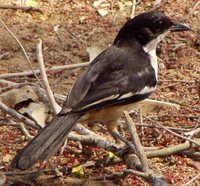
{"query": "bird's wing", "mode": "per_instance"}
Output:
(116, 74)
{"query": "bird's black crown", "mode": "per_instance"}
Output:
(146, 27)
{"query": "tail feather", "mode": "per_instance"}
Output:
(46, 142)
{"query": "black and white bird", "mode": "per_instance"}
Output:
(116, 80)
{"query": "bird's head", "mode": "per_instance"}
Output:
(148, 27)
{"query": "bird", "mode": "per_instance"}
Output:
(117, 80)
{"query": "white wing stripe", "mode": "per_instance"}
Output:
(145, 90)
(101, 100)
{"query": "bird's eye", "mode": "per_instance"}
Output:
(160, 22)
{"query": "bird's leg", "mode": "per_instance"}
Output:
(112, 128)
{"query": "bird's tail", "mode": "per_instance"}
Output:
(46, 142)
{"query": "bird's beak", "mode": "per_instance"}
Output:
(179, 27)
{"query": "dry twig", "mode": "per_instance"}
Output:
(192, 180)
(193, 133)
(160, 103)
(55, 107)
(174, 133)
(193, 9)
(158, 127)
(133, 9)
(25, 131)
(32, 172)
(24, 51)
(177, 80)
(172, 150)
(24, 8)
(94, 140)
(18, 116)
(10, 83)
(136, 142)
(119, 175)
(54, 69)
(191, 154)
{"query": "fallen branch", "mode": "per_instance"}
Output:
(40, 91)
(24, 8)
(94, 140)
(63, 148)
(191, 154)
(132, 162)
(55, 68)
(118, 175)
(178, 81)
(136, 142)
(159, 103)
(32, 172)
(10, 124)
(172, 150)
(192, 133)
(25, 131)
(179, 116)
(10, 83)
(103, 162)
(54, 106)
(155, 179)
(90, 138)
(83, 130)
(87, 137)
(133, 9)
(18, 116)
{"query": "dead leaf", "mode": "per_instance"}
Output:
(101, 7)
(79, 171)
(15, 96)
(110, 157)
(37, 111)
(102, 12)
(7, 158)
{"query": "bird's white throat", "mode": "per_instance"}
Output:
(150, 48)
